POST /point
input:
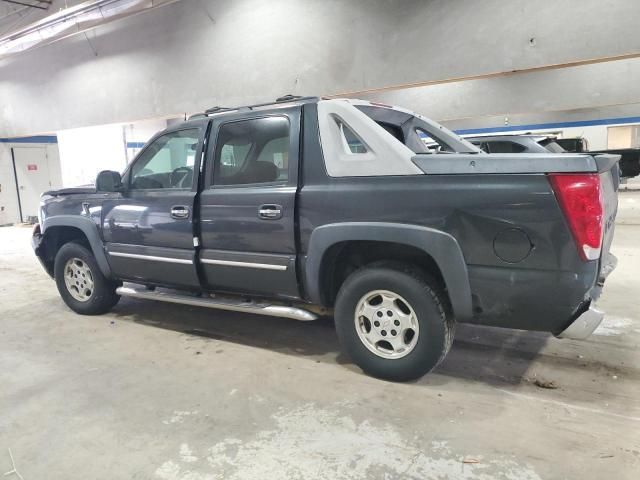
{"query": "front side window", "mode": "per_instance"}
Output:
(168, 162)
(252, 151)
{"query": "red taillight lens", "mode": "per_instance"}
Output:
(580, 199)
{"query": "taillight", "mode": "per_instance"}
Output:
(580, 198)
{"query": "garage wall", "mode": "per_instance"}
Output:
(194, 54)
(583, 92)
(597, 136)
(76, 157)
(573, 101)
(8, 197)
(9, 212)
(86, 151)
(137, 133)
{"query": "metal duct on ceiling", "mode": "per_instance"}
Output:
(71, 21)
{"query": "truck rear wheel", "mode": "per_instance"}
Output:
(393, 321)
(80, 282)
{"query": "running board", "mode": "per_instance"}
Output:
(220, 303)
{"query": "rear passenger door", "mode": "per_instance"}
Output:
(247, 206)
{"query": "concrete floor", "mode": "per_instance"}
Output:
(157, 391)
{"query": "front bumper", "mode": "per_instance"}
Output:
(38, 249)
(36, 238)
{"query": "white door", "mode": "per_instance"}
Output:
(32, 172)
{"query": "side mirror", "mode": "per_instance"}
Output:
(109, 181)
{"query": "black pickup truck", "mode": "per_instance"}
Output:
(308, 207)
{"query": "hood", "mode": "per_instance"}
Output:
(82, 189)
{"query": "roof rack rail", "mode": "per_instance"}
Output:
(217, 109)
(284, 99)
(288, 98)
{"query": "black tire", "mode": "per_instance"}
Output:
(424, 296)
(103, 295)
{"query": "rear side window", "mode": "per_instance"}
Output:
(432, 143)
(552, 146)
(252, 152)
(481, 145)
(504, 147)
(351, 140)
(394, 130)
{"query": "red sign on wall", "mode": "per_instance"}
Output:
(31, 167)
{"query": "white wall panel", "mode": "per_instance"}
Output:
(9, 212)
(86, 151)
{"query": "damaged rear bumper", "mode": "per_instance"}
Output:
(584, 325)
(588, 320)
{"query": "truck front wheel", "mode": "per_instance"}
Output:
(80, 282)
(393, 321)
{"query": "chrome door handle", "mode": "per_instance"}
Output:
(180, 212)
(270, 212)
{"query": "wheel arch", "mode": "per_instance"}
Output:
(58, 230)
(438, 249)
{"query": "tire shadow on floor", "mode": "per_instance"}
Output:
(488, 355)
(495, 356)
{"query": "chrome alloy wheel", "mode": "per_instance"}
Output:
(78, 279)
(386, 324)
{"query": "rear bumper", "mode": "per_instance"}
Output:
(541, 300)
(587, 321)
(584, 325)
(609, 264)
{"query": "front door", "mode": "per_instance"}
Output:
(248, 204)
(149, 229)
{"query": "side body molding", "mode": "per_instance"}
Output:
(441, 246)
(90, 230)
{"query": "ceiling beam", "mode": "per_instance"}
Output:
(31, 5)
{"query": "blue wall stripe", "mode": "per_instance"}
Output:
(34, 139)
(135, 144)
(540, 126)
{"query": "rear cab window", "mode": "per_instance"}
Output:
(552, 146)
(419, 134)
(252, 151)
(432, 143)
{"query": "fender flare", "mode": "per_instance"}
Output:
(90, 230)
(441, 246)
